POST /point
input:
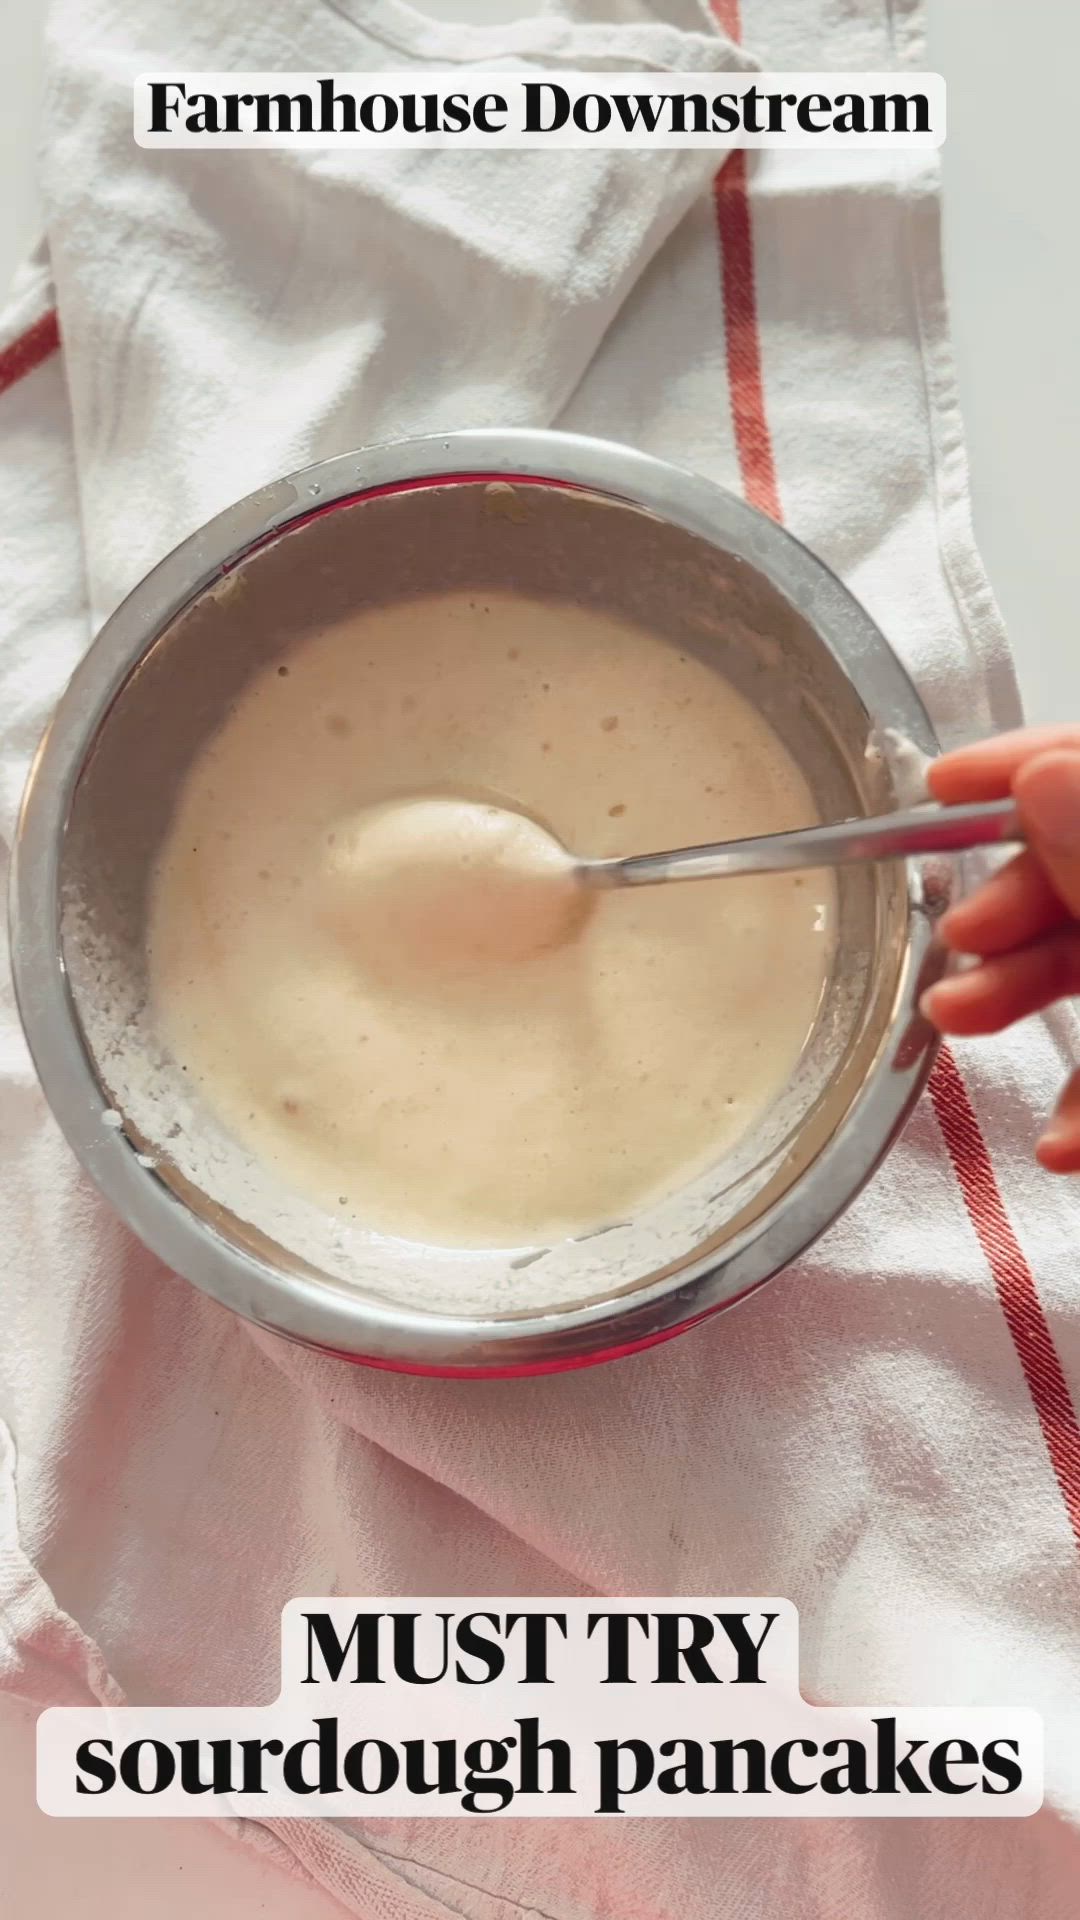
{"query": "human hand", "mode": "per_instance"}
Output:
(1024, 923)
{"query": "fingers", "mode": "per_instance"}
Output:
(1025, 922)
(1017, 905)
(1059, 1148)
(1007, 987)
(986, 769)
(1047, 790)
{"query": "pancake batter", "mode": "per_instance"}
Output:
(384, 979)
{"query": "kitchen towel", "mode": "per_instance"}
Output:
(887, 1434)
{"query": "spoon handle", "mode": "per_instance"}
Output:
(895, 836)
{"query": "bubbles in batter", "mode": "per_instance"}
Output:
(380, 975)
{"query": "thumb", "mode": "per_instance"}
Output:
(1047, 792)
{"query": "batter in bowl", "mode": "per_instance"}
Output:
(368, 952)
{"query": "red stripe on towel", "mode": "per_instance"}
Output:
(1013, 1278)
(753, 441)
(29, 350)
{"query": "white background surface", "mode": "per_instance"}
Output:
(1012, 242)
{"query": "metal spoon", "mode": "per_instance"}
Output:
(894, 836)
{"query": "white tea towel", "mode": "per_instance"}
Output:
(887, 1434)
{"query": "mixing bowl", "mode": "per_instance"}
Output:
(596, 525)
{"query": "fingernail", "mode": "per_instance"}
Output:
(1049, 1144)
(926, 1004)
(946, 928)
(1049, 793)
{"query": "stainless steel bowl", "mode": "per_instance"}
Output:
(548, 513)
